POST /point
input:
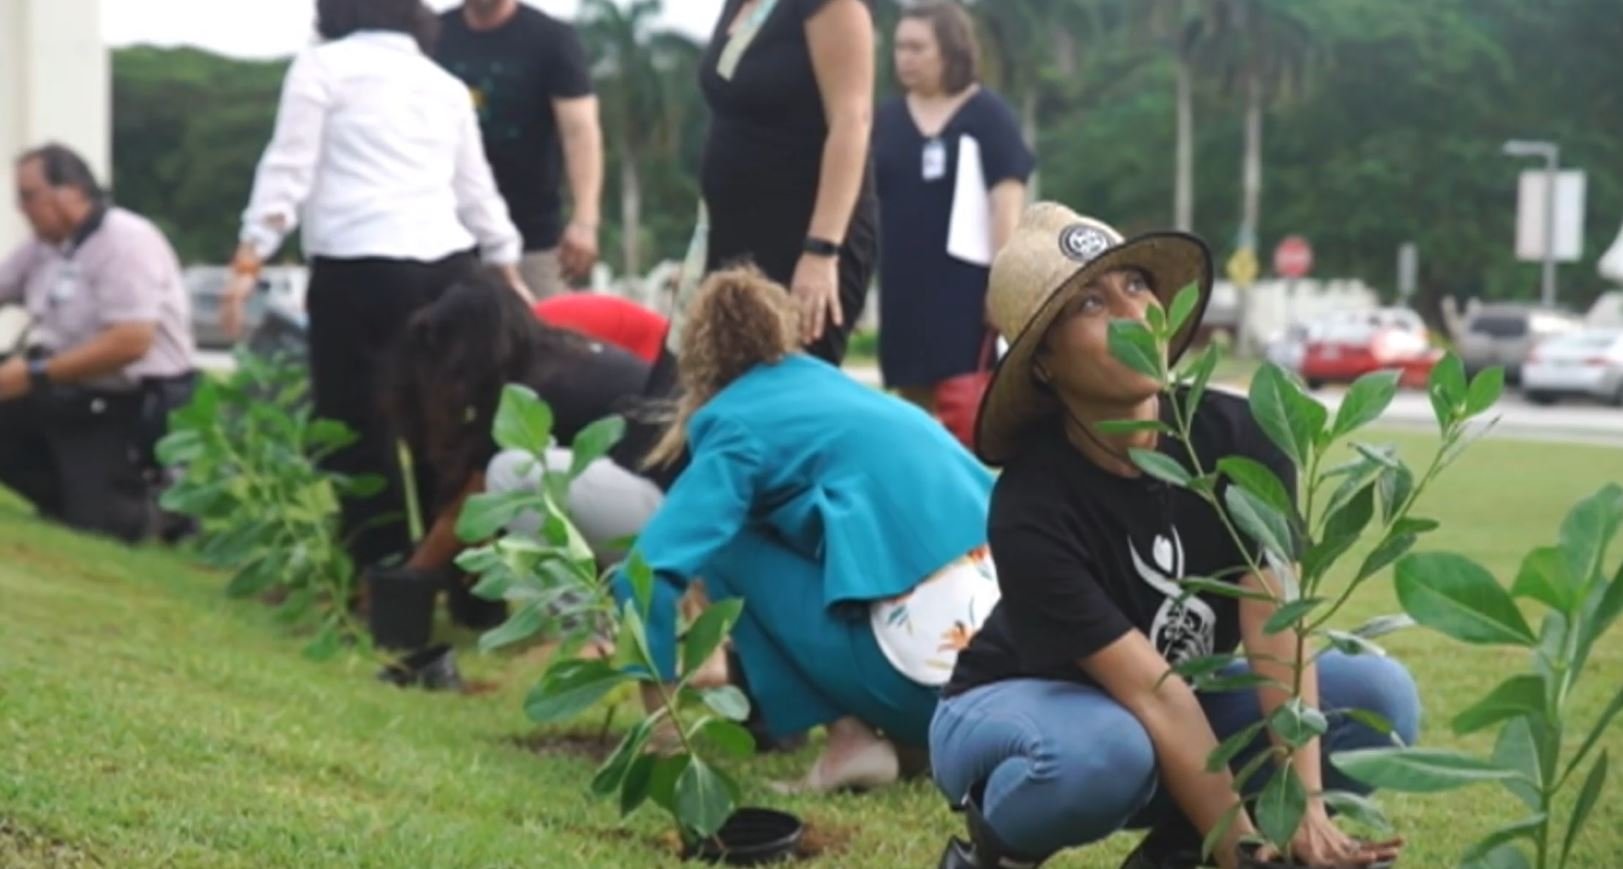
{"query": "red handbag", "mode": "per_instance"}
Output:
(958, 399)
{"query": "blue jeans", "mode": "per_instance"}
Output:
(1064, 764)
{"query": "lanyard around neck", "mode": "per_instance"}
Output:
(739, 42)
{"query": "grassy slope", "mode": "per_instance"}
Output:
(144, 720)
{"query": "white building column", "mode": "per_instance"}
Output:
(55, 85)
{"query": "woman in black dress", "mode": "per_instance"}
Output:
(785, 175)
(952, 171)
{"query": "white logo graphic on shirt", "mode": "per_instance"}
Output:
(1183, 630)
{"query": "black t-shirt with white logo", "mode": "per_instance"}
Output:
(1084, 556)
(515, 71)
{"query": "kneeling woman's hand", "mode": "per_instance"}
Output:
(1319, 842)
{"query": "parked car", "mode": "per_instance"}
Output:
(1345, 347)
(1504, 334)
(1588, 363)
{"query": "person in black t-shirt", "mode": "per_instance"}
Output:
(1056, 728)
(450, 368)
(533, 88)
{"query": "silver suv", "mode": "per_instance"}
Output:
(1505, 334)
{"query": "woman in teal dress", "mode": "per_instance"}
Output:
(826, 506)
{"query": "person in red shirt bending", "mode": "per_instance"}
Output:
(610, 319)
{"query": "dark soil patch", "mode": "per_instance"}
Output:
(568, 744)
(18, 847)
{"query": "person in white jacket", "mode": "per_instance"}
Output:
(377, 153)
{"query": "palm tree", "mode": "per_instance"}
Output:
(1178, 27)
(646, 90)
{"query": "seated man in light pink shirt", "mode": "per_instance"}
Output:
(110, 345)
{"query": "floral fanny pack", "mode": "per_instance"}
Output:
(922, 632)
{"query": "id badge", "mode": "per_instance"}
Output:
(66, 286)
(935, 160)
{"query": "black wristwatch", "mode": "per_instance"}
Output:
(38, 377)
(821, 247)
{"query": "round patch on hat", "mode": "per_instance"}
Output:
(1082, 242)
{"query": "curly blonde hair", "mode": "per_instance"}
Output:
(739, 319)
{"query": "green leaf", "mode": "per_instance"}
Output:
(637, 784)
(1456, 596)
(612, 774)
(1447, 391)
(731, 738)
(662, 781)
(254, 578)
(1517, 749)
(1290, 417)
(1393, 547)
(1484, 391)
(326, 645)
(707, 632)
(1239, 682)
(179, 447)
(1133, 426)
(1205, 665)
(1505, 856)
(1416, 770)
(1600, 616)
(488, 512)
(1518, 695)
(1543, 577)
(1132, 344)
(1349, 643)
(1297, 723)
(361, 486)
(1587, 532)
(1374, 721)
(525, 622)
(703, 801)
(328, 434)
(1526, 828)
(1256, 478)
(1219, 832)
(1224, 753)
(641, 578)
(1380, 626)
(1595, 733)
(1200, 375)
(1183, 305)
(1156, 319)
(1262, 523)
(1358, 809)
(1288, 615)
(1394, 485)
(727, 701)
(1160, 466)
(570, 687)
(523, 420)
(1192, 585)
(1587, 797)
(1281, 806)
(594, 442)
(1341, 530)
(1365, 401)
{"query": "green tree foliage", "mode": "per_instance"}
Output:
(1393, 136)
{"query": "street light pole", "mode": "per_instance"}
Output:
(1551, 153)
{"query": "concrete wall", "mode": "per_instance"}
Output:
(55, 84)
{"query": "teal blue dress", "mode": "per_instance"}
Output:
(810, 496)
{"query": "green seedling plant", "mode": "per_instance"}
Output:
(553, 584)
(1296, 542)
(1533, 757)
(246, 451)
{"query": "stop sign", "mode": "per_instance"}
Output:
(1293, 258)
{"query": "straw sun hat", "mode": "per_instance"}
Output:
(1051, 256)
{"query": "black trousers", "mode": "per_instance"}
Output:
(358, 311)
(75, 456)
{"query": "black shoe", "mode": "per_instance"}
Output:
(1173, 845)
(983, 850)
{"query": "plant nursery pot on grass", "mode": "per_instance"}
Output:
(1249, 860)
(751, 837)
(400, 604)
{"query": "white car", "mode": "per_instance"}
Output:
(1586, 363)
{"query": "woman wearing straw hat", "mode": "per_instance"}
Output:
(1056, 728)
(851, 524)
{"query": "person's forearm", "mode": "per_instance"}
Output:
(845, 158)
(583, 155)
(1008, 200)
(108, 353)
(1183, 739)
(1273, 663)
(440, 546)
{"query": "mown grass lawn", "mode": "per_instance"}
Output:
(145, 720)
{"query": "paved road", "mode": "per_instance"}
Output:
(1573, 422)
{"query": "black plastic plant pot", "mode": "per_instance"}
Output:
(751, 837)
(432, 669)
(468, 609)
(400, 605)
(1249, 860)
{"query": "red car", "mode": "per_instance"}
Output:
(1345, 347)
